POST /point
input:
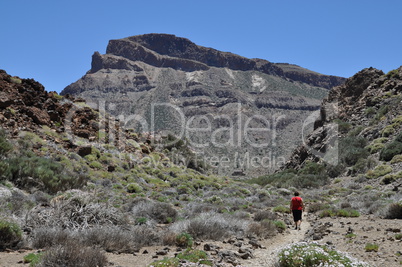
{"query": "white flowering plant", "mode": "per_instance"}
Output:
(304, 254)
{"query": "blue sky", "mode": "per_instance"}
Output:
(53, 41)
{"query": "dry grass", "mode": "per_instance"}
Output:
(264, 215)
(263, 229)
(212, 226)
(111, 239)
(73, 254)
(157, 211)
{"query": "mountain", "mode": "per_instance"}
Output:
(241, 116)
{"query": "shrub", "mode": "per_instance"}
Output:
(391, 150)
(49, 237)
(311, 254)
(398, 138)
(115, 239)
(387, 131)
(73, 255)
(33, 259)
(347, 213)
(281, 209)
(375, 147)
(327, 213)
(5, 146)
(371, 247)
(96, 165)
(396, 159)
(381, 112)
(198, 257)
(184, 240)
(351, 149)
(47, 174)
(350, 235)
(393, 74)
(158, 211)
(264, 229)
(76, 213)
(388, 179)
(280, 225)
(10, 234)
(264, 215)
(141, 220)
(134, 188)
(394, 211)
(211, 226)
(379, 171)
(370, 111)
(314, 207)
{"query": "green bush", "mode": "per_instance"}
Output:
(141, 220)
(32, 258)
(379, 171)
(375, 147)
(134, 188)
(5, 146)
(398, 138)
(389, 178)
(327, 213)
(393, 74)
(396, 159)
(280, 225)
(347, 213)
(381, 112)
(314, 207)
(371, 247)
(312, 254)
(96, 165)
(351, 149)
(184, 240)
(43, 173)
(10, 234)
(387, 131)
(391, 150)
(198, 257)
(370, 111)
(281, 209)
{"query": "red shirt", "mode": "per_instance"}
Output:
(297, 203)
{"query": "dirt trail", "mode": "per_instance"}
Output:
(268, 257)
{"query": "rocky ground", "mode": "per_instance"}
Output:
(348, 235)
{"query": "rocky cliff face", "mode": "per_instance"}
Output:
(241, 115)
(366, 109)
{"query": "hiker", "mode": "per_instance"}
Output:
(297, 207)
